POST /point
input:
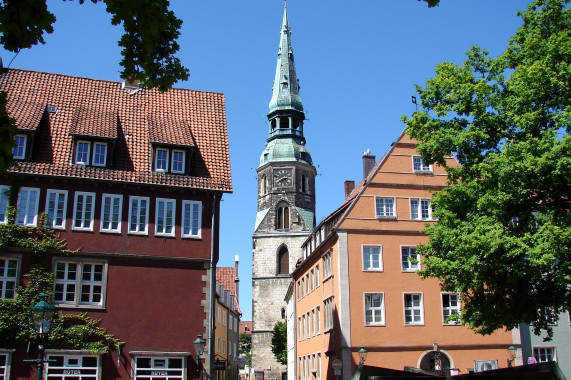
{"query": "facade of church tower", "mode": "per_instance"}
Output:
(286, 208)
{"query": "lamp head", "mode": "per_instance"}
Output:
(43, 314)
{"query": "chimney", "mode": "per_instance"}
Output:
(236, 278)
(349, 187)
(368, 163)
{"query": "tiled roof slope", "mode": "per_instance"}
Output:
(226, 277)
(104, 109)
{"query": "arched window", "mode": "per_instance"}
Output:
(282, 216)
(435, 362)
(283, 261)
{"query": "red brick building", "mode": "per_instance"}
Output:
(132, 178)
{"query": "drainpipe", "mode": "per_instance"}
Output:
(213, 261)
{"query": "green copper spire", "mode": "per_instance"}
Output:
(285, 142)
(285, 94)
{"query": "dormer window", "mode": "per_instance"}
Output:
(170, 160)
(91, 153)
(19, 151)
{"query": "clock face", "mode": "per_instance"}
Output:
(283, 178)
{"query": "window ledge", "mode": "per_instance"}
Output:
(393, 217)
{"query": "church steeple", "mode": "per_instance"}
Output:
(285, 142)
(285, 94)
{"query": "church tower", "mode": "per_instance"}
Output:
(286, 207)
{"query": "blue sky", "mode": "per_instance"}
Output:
(357, 63)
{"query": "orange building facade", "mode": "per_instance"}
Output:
(357, 284)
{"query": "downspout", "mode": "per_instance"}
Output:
(213, 261)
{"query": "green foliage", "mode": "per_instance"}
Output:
(246, 345)
(76, 331)
(504, 227)
(7, 132)
(279, 342)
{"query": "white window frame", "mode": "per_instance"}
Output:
(164, 169)
(414, 308)
(106, 225)
(97, 154)
(188, 223)
(162, 216)
(173, 170)
(375, 311)
(418, 165)
(19, 151)
(5, 368)
(29, 207)
(55, 209)
(74, 287)
(9, 276)
(382, 211)
(83, 212)
(79, 160)
(138, 200)
(4, 202)
(447, 311)
(541, 352)
(317, 279)
(72, 367)
(159, 367)
(416, 210)
(317, 320)
(368, 256)
(409, 264)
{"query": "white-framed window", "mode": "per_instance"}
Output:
(56, 208)
(317, 279)
(27, 208)
(299, 330)
(312, 280)
(138, 215)
(418, 165)
(9, 273)
(224, 317)
(5, 360)
(64, 366)
(544, 354)
(450, 305)
(303, 335)
(372, 258)
(80, 282)
(385, 207)
(99, 154)
(177, 161)
(191, 219)
(83, 211)
(374, 309)
(161, 160)
(319, 366)
(420, 209)
(19, 151)
(410, 260)
(413, 309)
(82, 151)
(160, 367)
(111, 210)
(317, 320)
(313, 324)
(224, 346)
(3, 203)
(164, 217)
(328, 305)
(327, 266)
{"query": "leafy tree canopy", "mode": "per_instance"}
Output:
(279, 342)
(502, 238)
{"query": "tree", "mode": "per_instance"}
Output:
(279, 342)
(503, 231)
(68, 330)
(149, 46)
(246, 345)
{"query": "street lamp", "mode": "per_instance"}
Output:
(511, 351)
(199, 349)
(362, 355)
(43, 314)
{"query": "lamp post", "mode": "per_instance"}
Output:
(362, 355)
(199, 350)
(511, 352)
(43, 314)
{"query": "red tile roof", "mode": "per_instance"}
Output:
(246, 327)
(134, 118)
(226, 276)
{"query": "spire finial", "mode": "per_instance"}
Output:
(285, 3)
